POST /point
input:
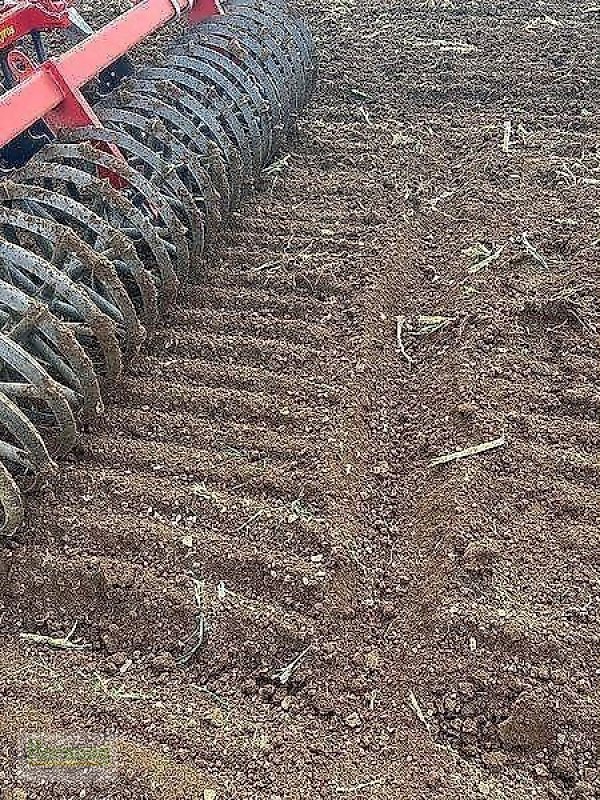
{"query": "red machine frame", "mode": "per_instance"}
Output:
(51, 91)
(22, 18)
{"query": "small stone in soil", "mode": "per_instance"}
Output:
(353, 720)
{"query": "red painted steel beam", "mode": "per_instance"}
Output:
(202, 9)
(46, 89)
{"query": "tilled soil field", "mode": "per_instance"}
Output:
(291, 575)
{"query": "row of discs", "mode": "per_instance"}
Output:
(102, 226)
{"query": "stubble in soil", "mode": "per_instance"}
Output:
(418, 277)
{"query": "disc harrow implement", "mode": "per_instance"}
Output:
(110, 196)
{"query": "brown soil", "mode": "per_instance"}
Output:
(403, 287)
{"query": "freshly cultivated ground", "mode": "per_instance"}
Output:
(419, 275)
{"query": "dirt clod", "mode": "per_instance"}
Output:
(531, 724)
